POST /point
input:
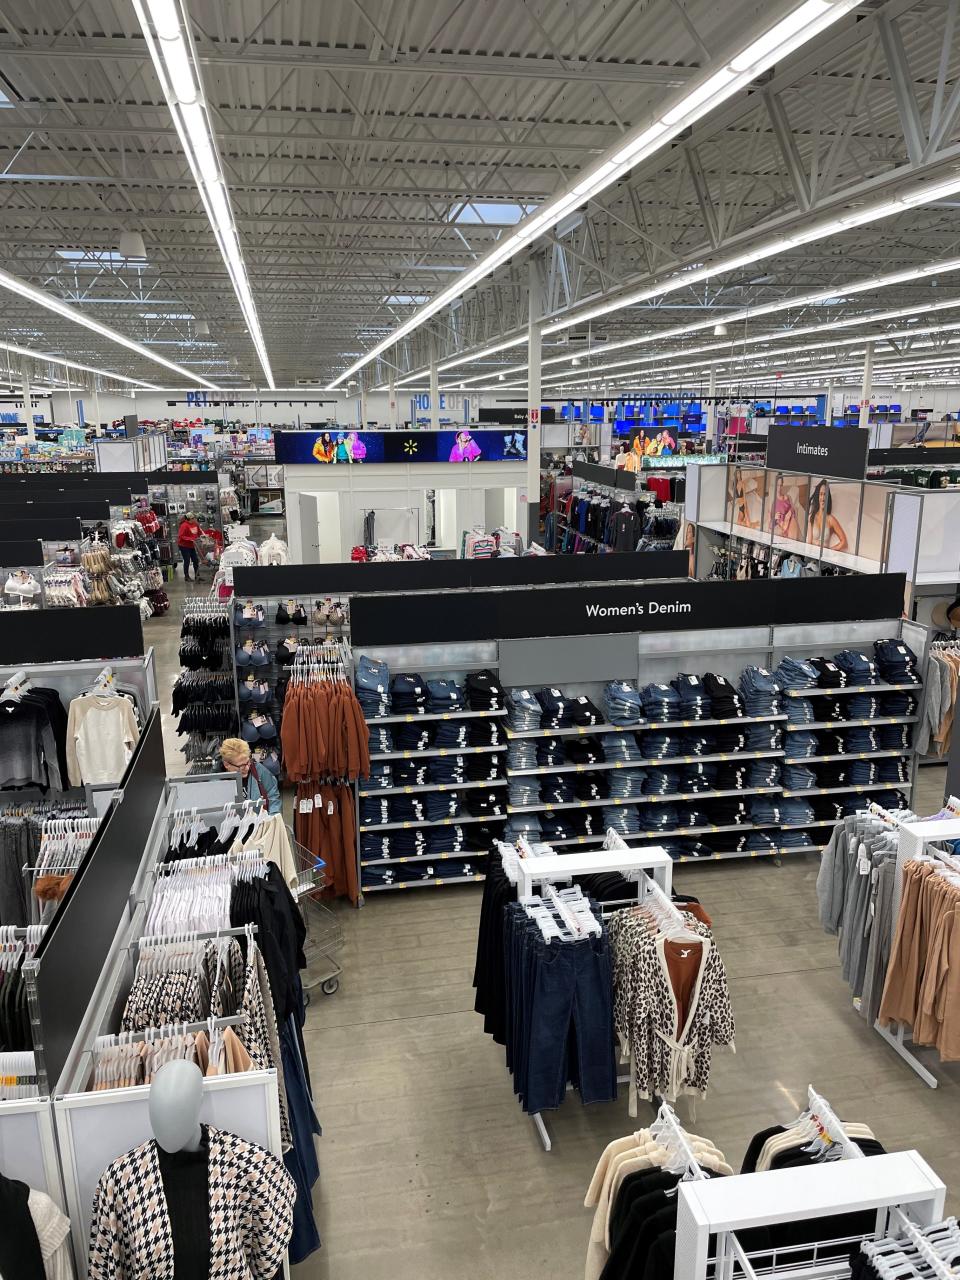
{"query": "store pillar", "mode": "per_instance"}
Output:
(534, 344)
(434, 394)
(711, 414)
(866, 385)
(28, 406)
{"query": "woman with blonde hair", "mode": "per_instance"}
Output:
(259, 784)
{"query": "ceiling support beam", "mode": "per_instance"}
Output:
(787, 144)
(699, 179)
(895, 55)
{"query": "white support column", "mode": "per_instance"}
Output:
(866, 386)
(711, 415)
(434, 392)
(363, 401)
(96, 408)
(534, 345)
(829, 413)
(394, 415)
(28, 405)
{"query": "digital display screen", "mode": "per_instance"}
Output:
(366, 448)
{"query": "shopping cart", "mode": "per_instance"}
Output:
(324, 931)
(208, 550)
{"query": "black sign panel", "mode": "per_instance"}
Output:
(52, 528)
(838, 452)
(914, 457)
(22, 551)
(512, 415)
(612, 477)
(110, 631)
(398, 577)
(643, 606)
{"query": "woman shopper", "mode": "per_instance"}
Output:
(259, 784)
(187, 536)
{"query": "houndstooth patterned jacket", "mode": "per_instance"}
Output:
(251, 1214)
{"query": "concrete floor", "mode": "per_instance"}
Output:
(428, 1167)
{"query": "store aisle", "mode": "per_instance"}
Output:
(428, 1167)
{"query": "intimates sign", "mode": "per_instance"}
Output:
(838, 452)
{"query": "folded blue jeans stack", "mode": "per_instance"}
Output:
(408, 808)
(797, 777)
(796, 674)
(374, 810)
(626, 784)
(372, 686)
(800, 745)
(525, 824)
(408, 842)
(896, 662)
(444, 694)
(557, 790)
(408, 695)
(661, 703)
(660, 744)
(858, 667)
(863, 738)
(551, 751)
(451, 734)
(381, 775)
(411, 737)
(800, 711)
(694, 701)
(763, 773)
(622, 818)
(862, 706)
(523, 792)
(523, 710)
(698, 742)
(658, 817)
(374, 846)
(764, 736)
(442, 804)
(697, 777)
(760, 691)
(621, 703)
(795, 811)
(621, 747)
(898, 704)
(893, 737)
(522, 754)
(445, 770)
(660, 781)
(409, 773)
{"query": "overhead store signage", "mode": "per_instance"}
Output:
(369, 448)
(508, 414)
(838, 452)
(642, 606)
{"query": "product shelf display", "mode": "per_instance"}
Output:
(660, 778)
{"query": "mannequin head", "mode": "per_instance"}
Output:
(175, 1096)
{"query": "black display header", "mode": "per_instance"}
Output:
(515, 415)
(102, 632)
(643, 606)
(837, 452)
(21, 551)
(612, 477)
(52, 528)
(918, 456)
(399, 576)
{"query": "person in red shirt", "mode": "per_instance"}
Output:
(187, 535)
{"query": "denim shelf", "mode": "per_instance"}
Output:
(833, 791)
(817, 692)
(619, 801)
(803, 848)
(722, 855)
(433, 786)
(848, 755)
(416, 884)
(436, 715)
(435, 751)
(467, 855)
(640, 727)
(436, 822)
(640, 764)
(849, 724)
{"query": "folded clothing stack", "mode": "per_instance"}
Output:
(523, 824)
(451, 734)
(800, 711)
(896, 662)
(659, 817)
(800, 745)
(624, 819)
(766, 811)
(898, 704)
(894, 737)
(446, 771)
(551, 752)
(661, 703)
(763, 773)
(698, 742)
(660, 781)
(442, 805)
(760, 691)
(483, 733)
(660, 744)
(557, 789)
(694, 701)
(484, 691)
(372, 686)
(621, 703)
(523, 792)
(797, 777)
(484, 767)
(411, 737)
(621, 748)
(797, 811)
(523, 710)
(583, 713)
(522, 755)
(584, 750)
(728, 811)
(554, 709)
(725, 702)
(410, 773)
(836, 773)
(408, 695)
(626, 784)
(796, 674)
(375, 846)
(801, 840)
(374, 810)
(482, 803)
(697, 777)
(730, 738)
(569, 824)
(444, 694)
(829, 675)
(858, 667)
(764, 736)
(861, 706)
(411, 808)
(594, 786)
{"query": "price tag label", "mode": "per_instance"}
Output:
(306, 805)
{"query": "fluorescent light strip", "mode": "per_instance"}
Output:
(802, 24)
(72, 364)
(815, 231)
(166, 32)
(46, 300)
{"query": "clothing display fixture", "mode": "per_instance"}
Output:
(22, 590)
(102, 730)
(34, 1240)
(33, 737)
(935, 730)
(250, 1197)
(273, 551)
(24, 830)
(18, 1070)
(203, 695)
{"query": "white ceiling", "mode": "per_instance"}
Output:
(354, 132)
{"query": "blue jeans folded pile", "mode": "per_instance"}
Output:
(896, 662)
(374, 810)
(803, 744)
(794, 812)
(659, 781)
(660, 744)
(523, 710)
(893, 737)
(898, 704)
(410, 773)
(626, 784)
(444, 694)
(411, 737)
(862, 706)
(800, 711)
(408, 694)
(797, 777)
(621, 747)
(372, 686)
(623, 819)
(858, 667)
(764, 736)
(442, 804)
(551, 751)
(522, 754)
(661, 702)
(621, 703)
(696, 777)
(694, 701)
(555, 710)
(763, 773)
(760, 692)
(795, 673)
(451, 734)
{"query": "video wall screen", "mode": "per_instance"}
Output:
(368, 448)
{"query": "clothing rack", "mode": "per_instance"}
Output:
(528, 864)
(825, 1118)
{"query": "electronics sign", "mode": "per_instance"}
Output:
(366, 448)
